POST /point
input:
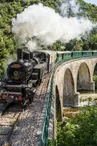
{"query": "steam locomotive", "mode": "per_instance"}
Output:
(25, 74)
(28, 71)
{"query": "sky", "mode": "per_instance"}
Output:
(91, 1)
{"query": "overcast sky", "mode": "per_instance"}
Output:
(91, 1)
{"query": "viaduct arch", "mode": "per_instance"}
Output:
(70, 78)
(83, 77)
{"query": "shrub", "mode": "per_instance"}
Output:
(79, 131)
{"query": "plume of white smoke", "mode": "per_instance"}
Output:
(32, 45)
(69, 7)
(46, 26)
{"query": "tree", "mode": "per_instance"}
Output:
(10, 8)
(79, 131)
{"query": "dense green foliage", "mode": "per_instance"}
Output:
(89, 42)
(52, 143)
(10, 8)
(79, 131)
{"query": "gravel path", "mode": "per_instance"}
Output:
(29, 129)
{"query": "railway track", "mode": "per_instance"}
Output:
(8, 119)
(14, 117)
(29, 129)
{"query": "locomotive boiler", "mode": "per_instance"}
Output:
(23, 75)
(28, 71)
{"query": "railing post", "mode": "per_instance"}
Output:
(48, 110)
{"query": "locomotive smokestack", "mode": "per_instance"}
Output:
(19, 54)
(26, 55)
(31, 55)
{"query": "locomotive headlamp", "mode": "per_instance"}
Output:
(4, 96)
(20, 98)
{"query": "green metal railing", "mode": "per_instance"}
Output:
(50, 95)
(48, 110)
(47, 115)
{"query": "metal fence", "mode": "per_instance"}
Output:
(50, 95)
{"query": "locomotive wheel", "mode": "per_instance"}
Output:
(28, 98)
(41, 80)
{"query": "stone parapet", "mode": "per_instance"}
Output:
(88, 99)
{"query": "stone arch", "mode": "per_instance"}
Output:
(95, 76)
(95, 69)
(58, 105)
(68, 88)
(83, 77)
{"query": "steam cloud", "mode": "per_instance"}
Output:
(69, 6)
(40, 24)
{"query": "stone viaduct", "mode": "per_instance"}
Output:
(70, 78)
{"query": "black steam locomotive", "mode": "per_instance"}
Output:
(24, 75)
(28, 71)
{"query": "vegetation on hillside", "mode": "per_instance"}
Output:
(78, 131)
(10, 8)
